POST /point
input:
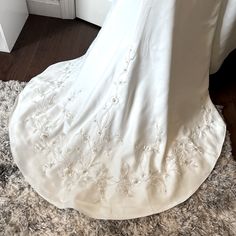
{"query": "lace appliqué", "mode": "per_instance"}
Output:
(129, 181)
(78, 166)
(183, 154)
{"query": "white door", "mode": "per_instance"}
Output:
(64, 9)
(13, 14)
(93, 11)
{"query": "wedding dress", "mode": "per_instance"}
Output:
(128, 130)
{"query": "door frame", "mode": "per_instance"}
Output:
(67, 9)
(64, 9)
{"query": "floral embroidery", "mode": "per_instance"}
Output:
(101, 181)
(78, 166)
(124, 185)
(54, 149)
(155, 146)
(207, 122)
(184, 154)
(157, 179)
(128, 181)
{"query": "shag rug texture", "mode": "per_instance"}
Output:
(210, 211)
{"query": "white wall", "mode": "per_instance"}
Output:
(13, 14)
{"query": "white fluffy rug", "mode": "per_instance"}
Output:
(210, 211)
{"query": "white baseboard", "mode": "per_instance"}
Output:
(64, 9)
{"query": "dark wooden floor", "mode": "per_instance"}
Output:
(45, 40)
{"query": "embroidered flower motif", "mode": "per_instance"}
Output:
(84, 169)
(101, 181)
(128, 181)
(115, 100)
(124, 185)
(185, 151)
(171, 166)
(206, 123)
(156, 179)
(129, 57)
(136, 181)
(153, 147)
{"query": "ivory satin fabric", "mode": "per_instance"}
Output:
(128, 130)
